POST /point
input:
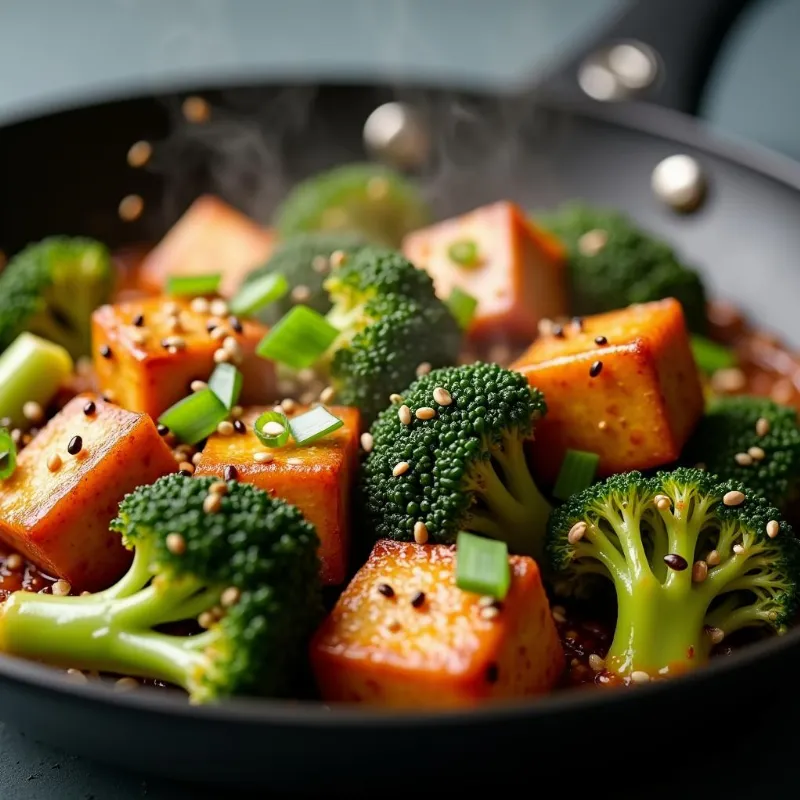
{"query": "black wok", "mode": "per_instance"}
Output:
(67, 172)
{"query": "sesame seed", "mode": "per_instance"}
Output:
(175, 543)
(423, 369)
(404, 415)
(420, 532)
(33, 411)
(762, 426)
(61, 588)
(233, 347)
(225, 428)
(230, 473)
(558, 331)
(425, 413)
(237, 411)
(186, 468)
(109, 395)
(442, 396)
(395, 398)
(211, 325)
(219, 333)
(773, 528)
(301, 293)
(738, 549)
(662, 502)
(77, 676)
(733, 498)
(263, 458)
(320, 264)
(600, 340)
(218, 487)
(105, 351)
(418, 599)
(206, 620)
(219, 308)
(490, 612)
(176, 342)
(195, 109)
(288, 405)
(239, 426)
(578, 323)
(743, 459)
(385, 590)
(139, 154)
(212, 503)
(544, 326)
(595, 369)
(592, 242)
(338, 257)
(174, 324)
(730, 379)
(197, 458)
(577, 532)
(236, 324)
(295, 462)
(756, 453)
(230, 597)
(640, 676)
(596, 663)
(699, 571)
(130, 208)
(327, 395)
(366, 442)
(198, 386)
(715, 634)
(393, 626)
(400, 469)
(126, 684)
(492, 673)
(170, 308)
(676, 562)
(138, 337)
(485, 600)
(15, 562)
(75, 445)
(200, 305)
(138, 321)
(273, 428)
(602, 425)
(163, 430)
(713, 558)
(222, 356)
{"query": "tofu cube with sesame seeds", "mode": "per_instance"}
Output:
(622, 384)
(516, 272)
(148, 352)
(56, 506)
(317, 477)
(403, 635)
(210, 238)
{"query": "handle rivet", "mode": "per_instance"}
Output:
(395, 133)
(679, 182)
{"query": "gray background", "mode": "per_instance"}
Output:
(66, 51)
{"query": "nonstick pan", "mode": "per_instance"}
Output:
(67, 172)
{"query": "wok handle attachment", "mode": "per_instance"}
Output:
(685, 36)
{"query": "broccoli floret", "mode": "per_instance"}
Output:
(617, 264)
(752, 440)
(370, 198)
(467, 468)
(51, 288)
(303, 261)
(248, 572)
(689, 566)
(390, 321)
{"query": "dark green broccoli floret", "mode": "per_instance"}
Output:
(467, 468)
(372, 199)
(732, 442)
(688, 568)
(390, 322)
(255, 558)
(618, 264)
(304, 261)
(51, 288)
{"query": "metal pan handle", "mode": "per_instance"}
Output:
(669, 48)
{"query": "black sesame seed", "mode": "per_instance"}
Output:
(236, 324)
(107, 398)
(492, 673)
(89, 408)
(578, 323)
(230, 473)
(239, 426)
(386, 590)
(138, 320)
(163, 430)
(75, 445)
(105, 351)
(210, 326)
(497, 605)
(595, 369)
(558, 331)
(166, 344)
(676, 562)
(418, 599)
(601, 340)
(186, 473)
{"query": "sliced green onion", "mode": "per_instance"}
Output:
(195, 417)
(711, 356)
(482, 565)
(464, 252)
(266, 429)
(261, 292)
(577, 473)
(462, 306)
(226, 383)
(298, 339)
(313, 425)
(8, 455)
(31, 369)
(193, 285)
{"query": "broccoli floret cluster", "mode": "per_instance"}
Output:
(378, 202)
(451, 457)
(613, 264)
(244, 566)
(51, 288)
(753, 440)
(692, 560)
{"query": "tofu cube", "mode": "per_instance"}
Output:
(148, 367)
(211, 237)
(56, 507)
(443, 648)
(622, 384)
(518, 275)
(318, 478)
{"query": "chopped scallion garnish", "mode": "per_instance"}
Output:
(193, 285)
(313, 425)
(226, 383)
(8, 455)
(195, 417)
(298, 339)
(462, 306)
(258, 294)
(464, 252)
(711, 356)
(577, 473)
(272, 429)
(482, 565)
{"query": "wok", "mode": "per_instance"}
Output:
(67, 171)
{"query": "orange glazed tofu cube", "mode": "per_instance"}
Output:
(403, 635)
(56, 507)
(147, 352)
(517, 273)
(211, 237)
(622, 384)
(317, 478)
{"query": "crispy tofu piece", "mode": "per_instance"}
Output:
(58, 517)
(638, 411)
(317, 478)
(211, 237)
(444, 652)
(138, 370)
(519, 276)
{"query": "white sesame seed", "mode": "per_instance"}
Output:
(61, 588)
(773, 528)
(426, 412)
(263, 458)
(423, 369)
(558, 616)
(733, 498)
(420, 532)
(762, 426)
(197, 458)
(222, 356)
(713, 558)
(489, 612)
(220, 333)
(237, 412)
(225, 428)
(130, 207)
(198, 386)
(54, 462)
(126, 684)
(699, 571)
(15, 562)
(404, 415)
(743, 459)
(327, 394)
(301, 293)
(728, 380)
(33, 411)
(200, 305)
(139, 153)
(576, 532)
(178, 342)
(756, 453)
(230, 597)
(592, 242)
(295, 462)
(442, 396)
(176, 544)
(738, 549)
(544, 326)
(206, 620)
(485, 600)
(273, 428)
(400, 469)
(596, 663)
(219, 308)
(170, 308)
(715, 634)
(640, 676)
(366, 442)
(220, 488)
(138, 337)
(338, 258)
(212, 503)
(288, 405)
(77, 676)
(320, 265)
(395, 398)
(663, 503)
